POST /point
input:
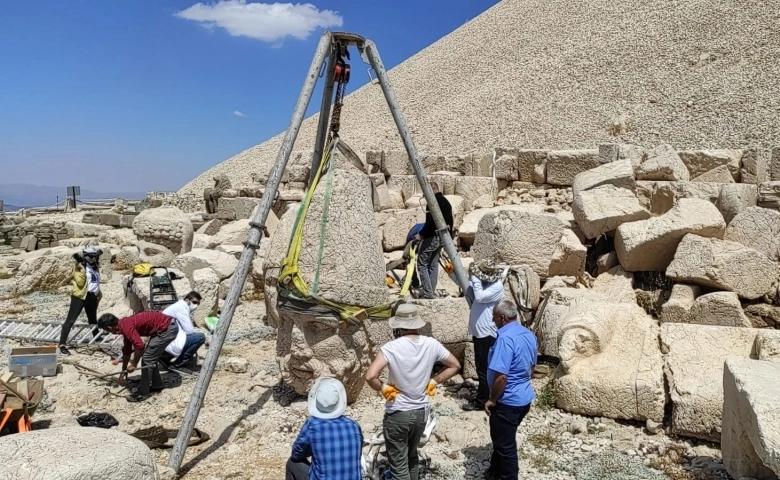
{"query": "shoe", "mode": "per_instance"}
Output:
(491, 474)
(64, 350)
(472, 407)
(136, 397)
(184, 370)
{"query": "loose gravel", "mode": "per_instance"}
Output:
(526, 73)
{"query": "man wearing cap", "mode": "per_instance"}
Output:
(332, 440)
(512, 360)
(410, 359)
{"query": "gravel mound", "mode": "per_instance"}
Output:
(533, 74)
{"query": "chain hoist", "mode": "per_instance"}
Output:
(341, 78)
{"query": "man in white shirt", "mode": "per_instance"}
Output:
(188, 341)
(410, 359)
(487, 290)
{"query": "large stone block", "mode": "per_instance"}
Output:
(569, 256)
(717, 308)
(124, 237)
(471, 188)
(755, 162)
(750, 441)
(757, 228)
(60, 453)
(716, 175)
(166, 226)
(236, 208)
(695, 355)
(564, 165)
(506, 167)
(699, 162)
(81, 230)
(470, 225)
(678, 307)
(532, 165)
(604, 208)
(735, 198)
(45, 269)
(724, 265)
(615, 152)
(660, 197)
(554, 308)
(774, 169)
(397, 227)
(649, 245)
(518, 238)
(769, 195)
(663, 163)
(222, 263)
(619, 174)
(611, 364)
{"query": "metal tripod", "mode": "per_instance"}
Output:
(332, 45)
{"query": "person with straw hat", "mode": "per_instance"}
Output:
(332, 440)
(410, 359)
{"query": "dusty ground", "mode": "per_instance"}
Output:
(251, 431)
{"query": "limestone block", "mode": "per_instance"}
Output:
(457, 203)
(717, 175)
(157, 255)
(380, 193)
(59, 453)
(200, 240)
(649, 245)
(695, 355)
(768, 346)
(532, 166)
(723, 265)
(80, 230)
(700, 162)
(663, 163)
(769, 195)
(397, 227)
(29, 243)
(617, 284)
(468, 229)
(735, 198)
(272, 261)
(615, 152)
(610, 362)
(604, 208)
(351, 266)
(774, 169)
(50, 269)
(206, 282)
(677, 309)
(518, 238)
(549, 317)
(660, 197)
(757, 228)
(124, 237)
(755, 162)
(236, 208)
(569, 256)
(137, 298)
(564, 165)
(126, 258)
(396, 162)
(471, 188)
(751, 419)
(605, 262)
(167, 226)
(211, 227)
(234, 250)
(445, 180)
(718, 308)
(507, 167)
(222, 263)
(619, 174)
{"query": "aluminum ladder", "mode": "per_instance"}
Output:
(49, 332)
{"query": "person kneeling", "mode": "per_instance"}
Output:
(161, 329)
(332, 440)
(184, 349)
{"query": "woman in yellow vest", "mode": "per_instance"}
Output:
(86, 291)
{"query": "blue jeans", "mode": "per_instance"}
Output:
(428, 265)
(191, 346)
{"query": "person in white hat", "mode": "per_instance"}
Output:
(332, 440)
(85, 292)
(410, 359)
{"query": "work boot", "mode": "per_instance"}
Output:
(64, 350)
(472, 407)
(137, 397)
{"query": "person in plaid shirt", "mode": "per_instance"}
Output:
(332, 440)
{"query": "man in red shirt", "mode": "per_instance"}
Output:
(161, 330)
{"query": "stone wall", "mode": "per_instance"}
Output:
(31, 234)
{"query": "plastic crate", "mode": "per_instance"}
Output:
(33, 361)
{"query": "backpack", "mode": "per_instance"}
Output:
(142, 270)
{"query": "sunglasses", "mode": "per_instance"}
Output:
(194, 302)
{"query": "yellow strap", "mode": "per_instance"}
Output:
(409, 272)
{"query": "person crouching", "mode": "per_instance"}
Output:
(161, 330)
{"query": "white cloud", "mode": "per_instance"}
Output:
(239, 113)
(269, 22)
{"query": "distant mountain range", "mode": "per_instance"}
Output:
(20, 195)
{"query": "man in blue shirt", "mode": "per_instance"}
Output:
(511, 363)
(332, 440)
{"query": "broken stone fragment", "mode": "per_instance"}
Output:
(663, 163)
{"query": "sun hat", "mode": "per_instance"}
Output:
(406, 317)
(327, 399)
(486, 270)
(92, 252)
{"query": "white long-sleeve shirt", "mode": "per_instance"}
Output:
(181, 312)
(481, 316)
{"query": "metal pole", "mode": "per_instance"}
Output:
(253, 241)
(325, 108)
(419, 170)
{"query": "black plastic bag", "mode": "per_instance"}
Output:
(100, 420)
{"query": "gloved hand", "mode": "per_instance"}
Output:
(389, 392)
(431, 388)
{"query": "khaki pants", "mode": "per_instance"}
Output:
(402, 432)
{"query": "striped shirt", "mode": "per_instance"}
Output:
(335, 447)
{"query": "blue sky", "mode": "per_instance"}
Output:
(136, 95)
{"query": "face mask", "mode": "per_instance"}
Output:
(193, 306)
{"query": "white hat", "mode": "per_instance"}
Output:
(327, 399)
(406, 317)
